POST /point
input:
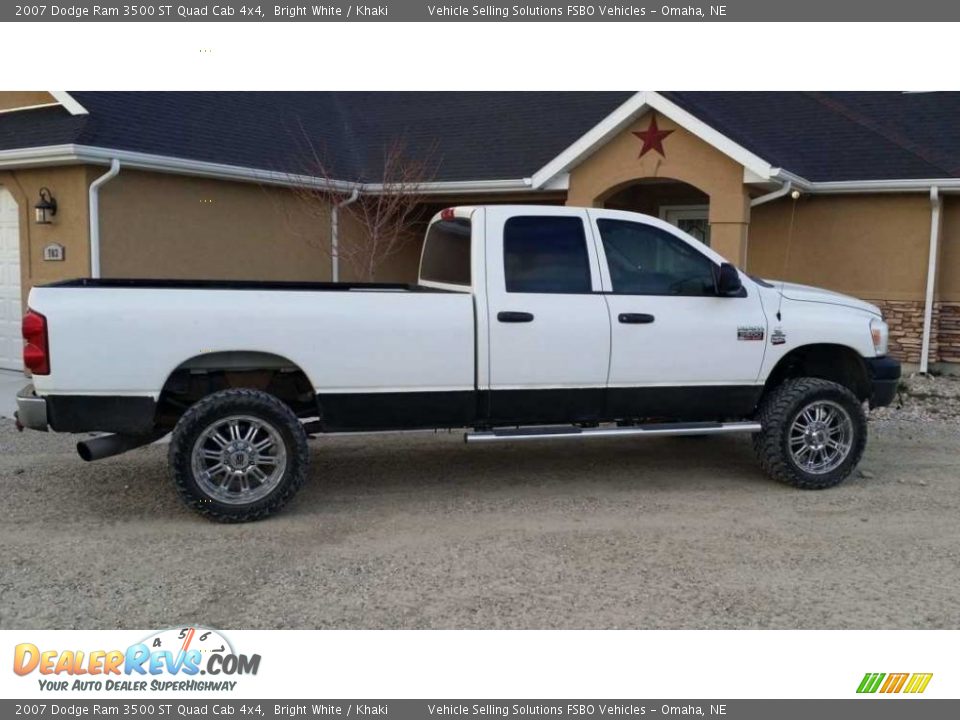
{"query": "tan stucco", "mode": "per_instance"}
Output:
(173, 226)
(169, 226)
(25, 98)
(68, 185)
(871, 246)
(688, 159)
(948, 287)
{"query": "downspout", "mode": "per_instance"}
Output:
(778, 193)
(936, 205)
(335, 233)
(95, 215)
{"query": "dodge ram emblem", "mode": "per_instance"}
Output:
(751, 332)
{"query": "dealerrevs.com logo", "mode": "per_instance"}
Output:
(171, 660)
(892, 683)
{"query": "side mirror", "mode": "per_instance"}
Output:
(728, 280)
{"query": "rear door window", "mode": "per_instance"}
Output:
(543, 254)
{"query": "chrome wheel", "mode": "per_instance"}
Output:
(239, 459)
(821, 437)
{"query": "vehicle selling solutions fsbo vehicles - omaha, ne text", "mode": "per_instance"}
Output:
(527, 323)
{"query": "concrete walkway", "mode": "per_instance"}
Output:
(11, 381)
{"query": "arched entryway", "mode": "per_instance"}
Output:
(677, 202)
(11, 342)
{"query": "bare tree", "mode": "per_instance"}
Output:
(379, 215)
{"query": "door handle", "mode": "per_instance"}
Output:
(635, 318)
(514, 316)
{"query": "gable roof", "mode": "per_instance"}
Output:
(527, 138)
(270, 130)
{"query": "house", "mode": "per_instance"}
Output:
(853, 191)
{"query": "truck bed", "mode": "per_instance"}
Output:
(347, 338)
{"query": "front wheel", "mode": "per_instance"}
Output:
(238, 455)
(814, 433)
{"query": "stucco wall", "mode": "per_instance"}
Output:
(948, 285)
(169, 226)
(24, 98)
(875, 247)
(871, 246)
(68, 185)
(616, 165)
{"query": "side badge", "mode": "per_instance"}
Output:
(778, 337)
(750, 332)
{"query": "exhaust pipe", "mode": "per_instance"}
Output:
(106, 446)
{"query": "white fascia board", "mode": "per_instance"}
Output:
(466, 186)
(592, 139)
(798, 182)
(635, 106)
(69, 154)
(752, 178)
(885, 186)
(839, 187)
(697, 127)
(38, 156)
(68, 102)
(558, 182)
(24, 108)
(75, 154)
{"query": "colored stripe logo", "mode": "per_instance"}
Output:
(913, 683)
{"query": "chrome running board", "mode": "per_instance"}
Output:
(563, 432)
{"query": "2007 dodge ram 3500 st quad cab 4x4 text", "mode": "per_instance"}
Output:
(527, 323)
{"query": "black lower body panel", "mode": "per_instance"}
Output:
(340, 412)
(530, 407)
(691, 402)
(402, 411)
(397, 410)
(94, 413)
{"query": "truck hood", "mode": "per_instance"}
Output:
(808, 293)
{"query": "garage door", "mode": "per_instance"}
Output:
(11, 344)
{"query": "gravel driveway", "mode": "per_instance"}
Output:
(421, 531)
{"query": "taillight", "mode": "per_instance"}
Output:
(448, 214)
(36, 350)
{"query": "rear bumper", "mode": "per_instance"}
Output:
(31, 409)
(884, 379)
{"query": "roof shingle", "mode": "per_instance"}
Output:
(499, 135)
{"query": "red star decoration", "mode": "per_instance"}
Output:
(652, 138)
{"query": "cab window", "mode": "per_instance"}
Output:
(546, 255)
(645, 260)
(446, 252)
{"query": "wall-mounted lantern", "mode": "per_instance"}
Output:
(46, 208)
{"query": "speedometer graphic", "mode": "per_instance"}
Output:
(183, 639)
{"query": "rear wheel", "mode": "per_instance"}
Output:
(238, 455)
(814, 433)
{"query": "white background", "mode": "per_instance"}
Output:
(683, 664)
(475, 56)
(492, 56)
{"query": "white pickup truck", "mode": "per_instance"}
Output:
(527, 323)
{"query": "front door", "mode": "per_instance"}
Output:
(678, 350)
(11, 312)
(692, 219)
(549, 332)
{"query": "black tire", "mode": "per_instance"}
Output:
(264, 408)
(778, 411)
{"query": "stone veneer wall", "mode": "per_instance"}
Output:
(948, 332)
(905, 318)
